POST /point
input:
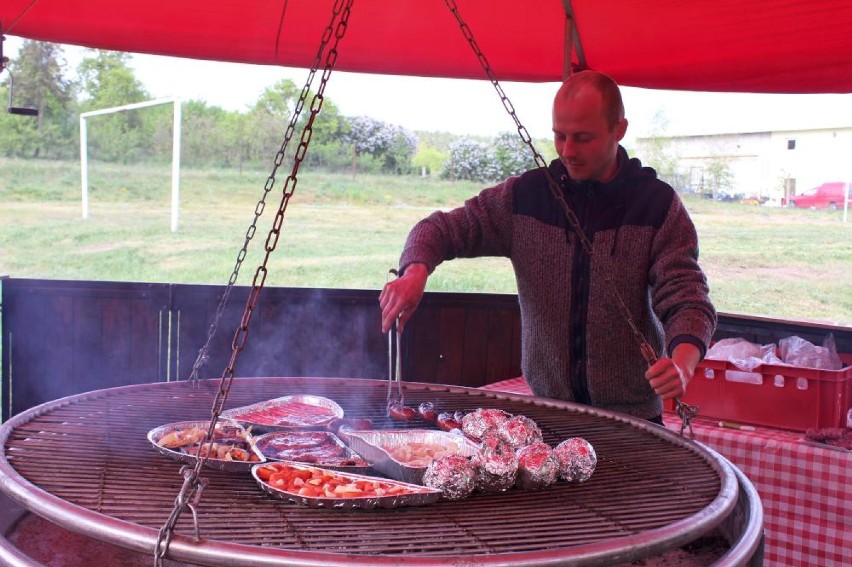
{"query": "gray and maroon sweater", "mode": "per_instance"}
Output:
(575, 343)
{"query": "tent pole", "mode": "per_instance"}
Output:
(572, 42)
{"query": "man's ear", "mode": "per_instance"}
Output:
(620, 129)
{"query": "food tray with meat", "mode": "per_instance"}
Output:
(232, 448)
(404, 454)
(287, 413)
(320, 448)
(323, 488)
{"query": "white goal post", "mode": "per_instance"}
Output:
(84, 157)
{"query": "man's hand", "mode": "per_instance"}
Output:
(668, 377)
(400, 297)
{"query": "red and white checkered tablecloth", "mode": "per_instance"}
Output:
(806, 490)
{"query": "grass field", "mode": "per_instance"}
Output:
(345, 231)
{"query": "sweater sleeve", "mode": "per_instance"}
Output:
(481, 227)
(679, 290)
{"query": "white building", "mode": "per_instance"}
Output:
(769, 164)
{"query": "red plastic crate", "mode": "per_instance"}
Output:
(790, 397)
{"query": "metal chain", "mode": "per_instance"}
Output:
(644, 346)
(190, 492)
(203, 356)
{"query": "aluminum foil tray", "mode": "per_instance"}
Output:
(319, 448)
(287, 413)
(396, 494)
(227, 432)
(384, 447)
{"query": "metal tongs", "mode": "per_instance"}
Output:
(395, 396)
(685, 411)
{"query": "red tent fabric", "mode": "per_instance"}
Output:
(782, 46)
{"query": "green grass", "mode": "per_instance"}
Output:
(345, 231)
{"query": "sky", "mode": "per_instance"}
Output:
(473, 107)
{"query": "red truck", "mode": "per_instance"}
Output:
(826, 196)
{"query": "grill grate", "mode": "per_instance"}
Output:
(91, 451)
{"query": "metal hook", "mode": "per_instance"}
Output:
(686, 413)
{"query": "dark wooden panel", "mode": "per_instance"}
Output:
(475, 347)
(516, 341)
(115, 344)
(293, 332)
(499, 353)
(70, 337)
(421, 345)
(145, 324)
(194, 307)
(64, 337)
(451, 355)
(43, 353)
(450, 326)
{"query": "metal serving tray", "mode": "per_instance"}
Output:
(187, 453)
(369, 444)
(242, 414)
(265, 444)
(415, 495)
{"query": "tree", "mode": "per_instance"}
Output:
(513, 156)
(393, 146)
(108, 81)
(205, 139)
(657, 153)
(428, 159)
(469, 159)
(400, 147)
(363, 135)
(719, 177)
(39, 83)
(329, 129)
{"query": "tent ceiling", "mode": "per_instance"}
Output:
(783, 46)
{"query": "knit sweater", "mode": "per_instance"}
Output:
(575, 343)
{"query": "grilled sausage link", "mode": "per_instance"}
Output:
(401, 412)
(427, 412)
(447, 421)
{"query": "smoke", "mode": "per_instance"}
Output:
(66, 337)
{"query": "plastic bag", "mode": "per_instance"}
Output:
(799, 352)
(744, 355)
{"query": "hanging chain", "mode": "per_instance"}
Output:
(203, 353)
(685, 411)
(190, 493)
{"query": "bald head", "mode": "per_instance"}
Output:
(583, 81)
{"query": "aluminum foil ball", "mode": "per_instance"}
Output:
(476, 423)
(577, 459)
(520, 431)
(453, 475)
(537, 467)
(496, 464)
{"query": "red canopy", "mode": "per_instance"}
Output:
(783, 46)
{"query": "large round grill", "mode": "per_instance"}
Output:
(84, 463)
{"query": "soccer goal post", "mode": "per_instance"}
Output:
(84, 157)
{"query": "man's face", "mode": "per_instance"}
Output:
(582, 137)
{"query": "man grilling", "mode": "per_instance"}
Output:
(576, 342)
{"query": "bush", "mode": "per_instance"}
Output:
(471, 160)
